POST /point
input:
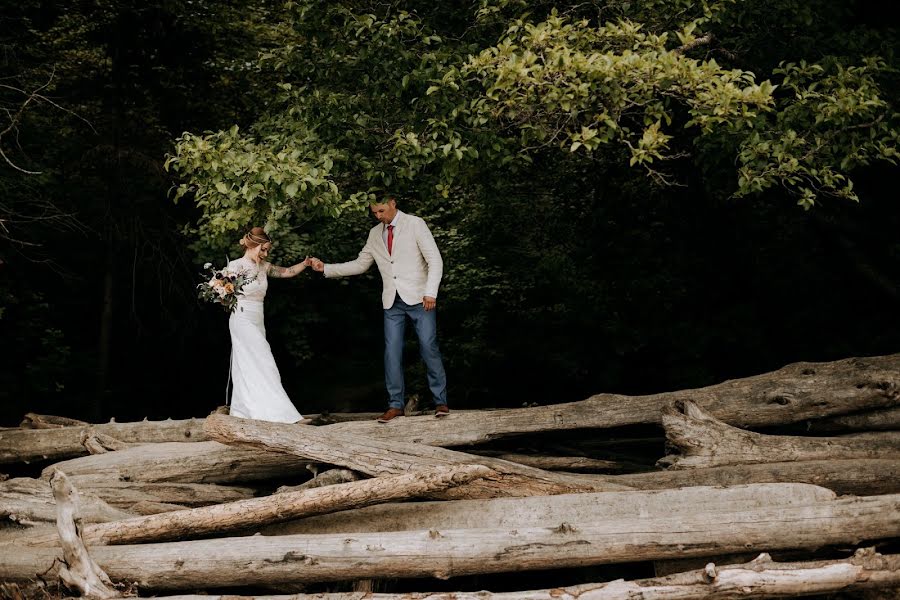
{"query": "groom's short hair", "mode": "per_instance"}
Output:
(386, 198)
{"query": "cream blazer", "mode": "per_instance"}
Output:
(413, 270)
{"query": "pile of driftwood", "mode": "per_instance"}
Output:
(802, 464)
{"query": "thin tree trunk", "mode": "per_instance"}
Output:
(28, 501)
(704, 441)
(274, 560)
(244, 514)
(887, 419)
(124, 494)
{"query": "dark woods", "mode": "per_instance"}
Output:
(572, 276)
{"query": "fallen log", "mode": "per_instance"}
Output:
(243, 514)
(703, 441)
(253, 560)
(760, 578)
(330, 477)
(78, 571)
(29, 445)
(858, 477)
(797, 392)
(887, 419)
(197, 462)
(376, 457)
(572, 464)
(28, 501)
(124, 494)
(514, 513)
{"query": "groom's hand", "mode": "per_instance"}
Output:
(317, 265)
(429, 303)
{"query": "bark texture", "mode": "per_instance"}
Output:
(704, 441)
(243, 514)
(514, 513)
(797, 392)
(198, 462)
(761, 578)
(58, 442)
(376, 457)
(443, 554)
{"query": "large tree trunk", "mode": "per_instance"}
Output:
(704, 441)
(797, 392)
(27, 501)
(201, 462)
(244, 514)
(28, 445)
(302, 558)
(858, 477)
(515, 513)
(761, 578)
(386, 457)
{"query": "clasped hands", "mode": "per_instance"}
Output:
(428, 303)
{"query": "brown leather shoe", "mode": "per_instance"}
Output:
(441, 410)
(391, 413)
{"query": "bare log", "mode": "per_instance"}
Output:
(761, 578)
(704, 441)
(124, 494)
(197, 462)
(574, 464)
(887, 419)
(859, 477)
(312, 558)
(36, 421)
(100, 443)
(29, 445)
(797, 392)
(330, 477)
(387, 457)
(515, 513)
(244, 514)
(29, 501)
(79, 572)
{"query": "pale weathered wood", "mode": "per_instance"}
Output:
(243, 514)
(859, 476)
(29, 445)
(761, 578)
(272, 560)
(28, 501)
(124, 494)
(36, 421)
(574, 464)
(886, 419)
(704, 441)
(79, 572)
(196, 462)
(797, 392)
(514, 513)
(100, 443)
(330, 477)
(385, 457)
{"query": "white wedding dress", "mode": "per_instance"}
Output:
(257, 393)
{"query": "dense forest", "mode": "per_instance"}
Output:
(629, 197)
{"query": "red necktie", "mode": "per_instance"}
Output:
(390, 239)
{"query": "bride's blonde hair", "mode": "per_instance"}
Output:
(255, 237)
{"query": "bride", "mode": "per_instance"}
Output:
(257, 393)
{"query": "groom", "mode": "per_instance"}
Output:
(411, 267)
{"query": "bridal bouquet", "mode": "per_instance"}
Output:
(224, 286)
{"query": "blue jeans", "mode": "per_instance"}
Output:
(426, 328)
